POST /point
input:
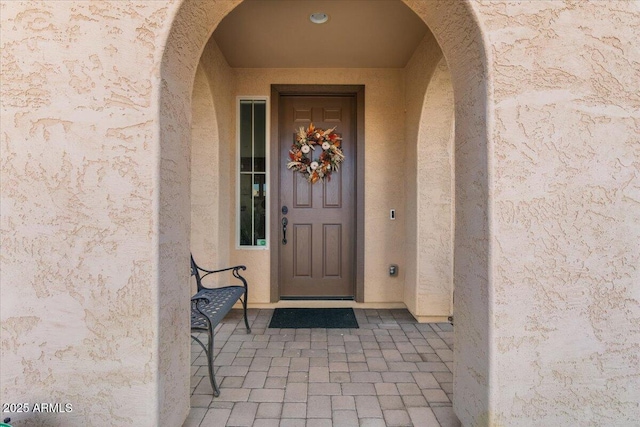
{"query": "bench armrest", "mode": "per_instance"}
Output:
(236, 274)
(201, 296)
(237, 267)
(196, 271)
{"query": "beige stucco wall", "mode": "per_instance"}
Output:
(458, 31)
(224, 87)
(205, 189)
(80, 317)
(566, 212)
(212, 144)
(95, 209)
(428, 183)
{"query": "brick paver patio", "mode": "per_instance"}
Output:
(392, 371)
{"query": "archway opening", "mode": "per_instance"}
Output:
(464, 53)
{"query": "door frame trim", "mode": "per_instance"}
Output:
(278, 90)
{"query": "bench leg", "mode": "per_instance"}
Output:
(208, 350)
(246, 321)
(212, 375)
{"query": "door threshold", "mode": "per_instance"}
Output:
(322, 298)
(325, 304)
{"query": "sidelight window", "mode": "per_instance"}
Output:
(252, 176)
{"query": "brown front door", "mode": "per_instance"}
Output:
(317, 260)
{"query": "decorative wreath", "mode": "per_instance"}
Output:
(306, 142)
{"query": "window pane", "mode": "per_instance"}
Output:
(260, 209)
(259, 135)
(252, 177)
(246, 125)
(246, 210)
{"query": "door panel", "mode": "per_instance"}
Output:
(332, 251)
(302, 254)
(332, 192)
(318, 259)
(302, 191)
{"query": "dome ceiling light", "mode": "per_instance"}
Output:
(318, 18)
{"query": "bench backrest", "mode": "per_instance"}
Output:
(195, 271)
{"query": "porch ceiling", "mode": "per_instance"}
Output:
(359, 34)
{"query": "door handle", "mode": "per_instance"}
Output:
(285, 221)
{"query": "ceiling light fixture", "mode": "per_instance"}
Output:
(318, 18)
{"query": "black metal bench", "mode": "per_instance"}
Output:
(210, 305)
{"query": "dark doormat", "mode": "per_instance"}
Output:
(297, 318)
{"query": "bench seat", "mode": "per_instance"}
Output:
(221, 300)
(210, 305)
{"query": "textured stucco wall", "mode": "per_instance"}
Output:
(434, 199)
(215, 150)
(428, 184)
(418, 73)
(204, 174)
(223, 82)
(95, 207)
(458, 32)
(191, 24)
(566, 212)
(79, 152)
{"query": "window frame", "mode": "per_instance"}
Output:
(238, 174)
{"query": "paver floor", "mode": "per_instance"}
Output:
(392, 371)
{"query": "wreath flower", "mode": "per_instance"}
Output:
(331, 155)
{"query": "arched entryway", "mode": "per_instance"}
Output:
(457, 32)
